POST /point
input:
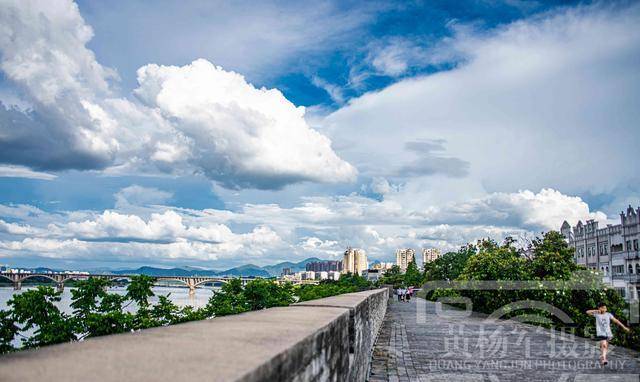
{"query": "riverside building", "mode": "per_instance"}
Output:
(614, 250)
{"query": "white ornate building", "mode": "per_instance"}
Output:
(613, 250)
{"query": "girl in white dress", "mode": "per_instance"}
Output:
(603, 329)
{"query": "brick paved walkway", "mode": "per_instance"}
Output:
(458, 348)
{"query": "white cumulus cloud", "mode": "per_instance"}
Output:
(238, 134)
(197, 118)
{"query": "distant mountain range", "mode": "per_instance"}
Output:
(247, 270)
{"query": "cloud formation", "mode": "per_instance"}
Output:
(237, 134)
(197, 118)
(266, 233)
(538, 102)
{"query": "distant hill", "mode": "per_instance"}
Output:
(247, 270)
(276, 270)
(153, 271)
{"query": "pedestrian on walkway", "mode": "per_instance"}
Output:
(399, 293)
(603, 329)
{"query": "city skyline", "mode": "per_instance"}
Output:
(129, 137)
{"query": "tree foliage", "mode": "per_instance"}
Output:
(450, 265)
(8, 330)
(36, 310)
(576, 289)
(347, 283)
(413, 276)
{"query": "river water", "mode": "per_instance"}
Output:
(180, 296)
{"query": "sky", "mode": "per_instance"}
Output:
(215, 134)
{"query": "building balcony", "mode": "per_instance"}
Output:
(626, 255)
(634, 278)
(632, 255)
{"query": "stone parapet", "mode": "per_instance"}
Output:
(328, 339)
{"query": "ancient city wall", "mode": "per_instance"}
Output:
(322, 340)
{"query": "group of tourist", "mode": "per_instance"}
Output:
(404, 294)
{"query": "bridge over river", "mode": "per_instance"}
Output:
(417, 344)
(192, 282)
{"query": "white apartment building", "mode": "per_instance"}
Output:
(429, 255)
(355, 261)
(613, 250)
(404, 257)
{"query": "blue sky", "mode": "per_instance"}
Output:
(215, 134)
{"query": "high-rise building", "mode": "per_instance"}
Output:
(324, 266)
(613, 250)
(404, 257)
(355, 261)
(430, 254)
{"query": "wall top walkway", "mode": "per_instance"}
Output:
(251, 346)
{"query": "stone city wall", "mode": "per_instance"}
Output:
(329, 339)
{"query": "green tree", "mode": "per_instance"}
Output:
(347, 283)
(229, 300)
(552, 258)
(87, 294)
(495, 262)
(36, 310)
(413, 276)
(139, 290)
(393, 276)
(8, 330)
(450, 265)
(262, 294)
(110, 317)
(165, 312)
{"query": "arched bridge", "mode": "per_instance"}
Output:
(60, 278)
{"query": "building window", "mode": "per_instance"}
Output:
(635, 245)
(621, 291)
(606, 270)
(628, 245)
(617, 269)
(637, 268)
(630, 269)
